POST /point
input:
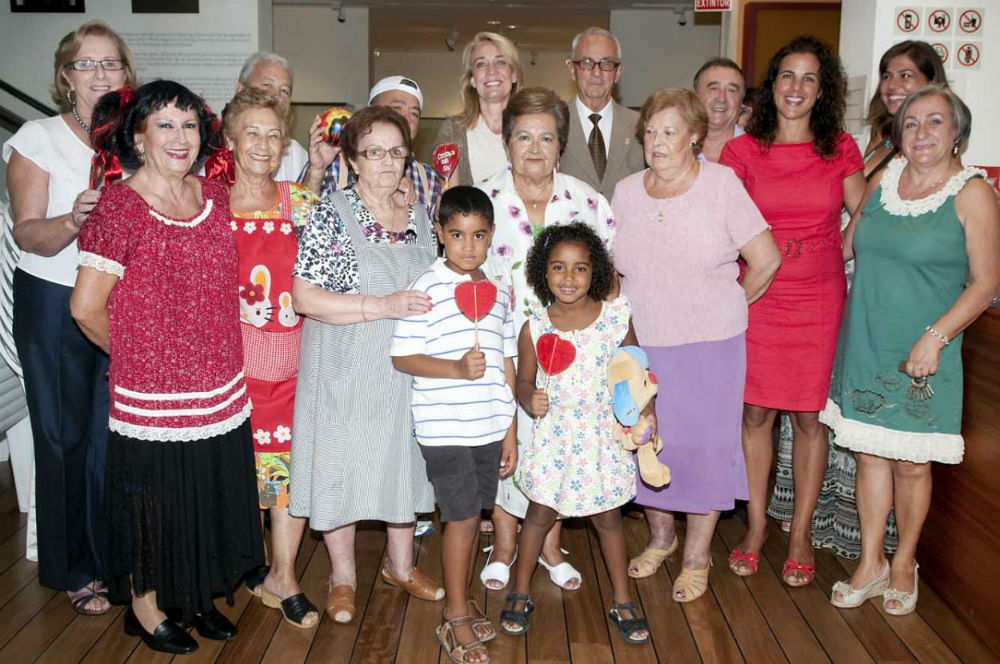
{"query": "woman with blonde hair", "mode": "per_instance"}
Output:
(491, 73)
(48, 167)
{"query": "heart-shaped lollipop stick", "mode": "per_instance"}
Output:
(554, 354)
(474, 300)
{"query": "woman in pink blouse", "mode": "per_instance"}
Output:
(157, 290)
(682, 225)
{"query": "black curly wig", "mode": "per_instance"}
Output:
(115, 124)
(536, 267)
(827, 118)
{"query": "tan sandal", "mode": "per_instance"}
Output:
(340, 604)
(647, 562)
(481, 625)
(692, 582)
(419, 585)
(458, 652)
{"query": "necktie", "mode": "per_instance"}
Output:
(596, 144)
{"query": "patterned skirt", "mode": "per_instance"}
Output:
(835, 524)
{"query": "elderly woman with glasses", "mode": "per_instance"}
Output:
(64, 374)
(354, 456)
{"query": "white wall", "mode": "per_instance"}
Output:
(438, 75)
(202, 50)
(330, 58)
(866, 31)
(660, 53)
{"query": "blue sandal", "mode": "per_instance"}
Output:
(627, 627)
(521, 618)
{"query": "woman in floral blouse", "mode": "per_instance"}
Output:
(528, 196)
(263, 216)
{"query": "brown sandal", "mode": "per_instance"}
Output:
(481, 625)
(340, 604)
(456, 651)
(419, 585)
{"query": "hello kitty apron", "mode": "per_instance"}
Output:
(266, 246)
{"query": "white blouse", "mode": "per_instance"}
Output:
(52, 146)
(572, 200)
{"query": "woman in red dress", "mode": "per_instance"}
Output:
(801, 169)
(265, 217)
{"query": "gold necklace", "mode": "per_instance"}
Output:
(533, 202)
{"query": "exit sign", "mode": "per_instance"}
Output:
(713, 5)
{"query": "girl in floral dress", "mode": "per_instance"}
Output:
(572, 465)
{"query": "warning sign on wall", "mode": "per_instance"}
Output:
(908, 19)
(968, 55)
(939, 21)
(970, 21)
(943, 51)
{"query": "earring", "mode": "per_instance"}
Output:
(71, 96)
(141, 155)
(954, 150)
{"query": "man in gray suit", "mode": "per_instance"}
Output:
(602, 147)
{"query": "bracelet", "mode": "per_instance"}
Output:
(934, 333)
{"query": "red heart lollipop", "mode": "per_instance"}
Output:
(475, 298)
(445, 159)
(554, 353)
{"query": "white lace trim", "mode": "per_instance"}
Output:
(190, 223)
(101, 263)
(890, 443)
(906, 208)
(167, 434)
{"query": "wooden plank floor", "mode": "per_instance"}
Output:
(757, 619)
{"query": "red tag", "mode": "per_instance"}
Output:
(445, 159)
(554, 353)
(475, 298)
(332, 120)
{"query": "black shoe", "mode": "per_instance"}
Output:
(213, 625)
(167, 637)
(255, 577)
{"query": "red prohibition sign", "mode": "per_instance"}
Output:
(907, 20)
(941, 50)
(970, 20)
(939, 20)
(967, 55)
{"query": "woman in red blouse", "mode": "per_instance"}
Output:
(157, 289)
(801, 169)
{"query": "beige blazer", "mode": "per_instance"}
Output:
(624, 151)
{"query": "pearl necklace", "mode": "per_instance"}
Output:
(79, 120)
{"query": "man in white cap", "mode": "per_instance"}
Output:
(327, 171)
(271, 73)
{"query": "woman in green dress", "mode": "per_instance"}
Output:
(927, 245)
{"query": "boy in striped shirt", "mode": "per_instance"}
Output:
(462, 401)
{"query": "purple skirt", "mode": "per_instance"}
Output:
(699, 411)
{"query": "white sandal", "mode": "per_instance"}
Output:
(851, 598)
(497, 572)
(907, 601)
(562, 573)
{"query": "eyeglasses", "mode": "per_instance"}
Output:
(108, 64)
(376, 152)
(605, 64)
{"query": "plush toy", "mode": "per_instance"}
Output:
(632, 386)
